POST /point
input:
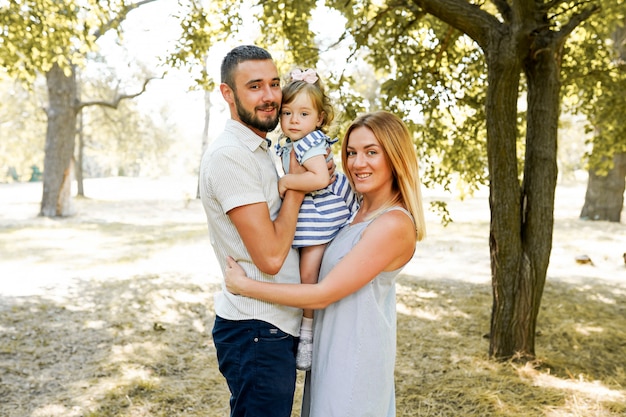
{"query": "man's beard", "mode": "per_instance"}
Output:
(253, 121)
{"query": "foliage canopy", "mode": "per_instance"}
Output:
(426, 70)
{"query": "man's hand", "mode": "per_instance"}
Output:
(330, 162)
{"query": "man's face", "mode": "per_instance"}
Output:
(257, 95)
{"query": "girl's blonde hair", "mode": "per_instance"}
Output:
(316, 93)
(395, 140)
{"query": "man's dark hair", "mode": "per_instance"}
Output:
(238, 55)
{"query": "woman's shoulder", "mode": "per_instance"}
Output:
(396, 221)
(399, 209)
(393, 233)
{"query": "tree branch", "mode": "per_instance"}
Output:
(504, 8)
(464, 16)
(116, 102)
(577, 19)
(119, 18)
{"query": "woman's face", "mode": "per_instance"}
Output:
(367, 163)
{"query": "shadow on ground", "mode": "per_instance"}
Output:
(141, 346)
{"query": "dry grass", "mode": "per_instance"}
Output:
(119, 325)
(443, 369)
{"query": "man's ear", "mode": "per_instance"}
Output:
(227, 93)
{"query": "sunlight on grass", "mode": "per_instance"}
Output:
(447, 362)
(594, 390)
(110, 313)
(587, 330)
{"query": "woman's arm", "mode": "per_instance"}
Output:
(387, 244)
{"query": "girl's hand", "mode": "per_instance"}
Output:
(294, 165)
(294, 169)
(235, 276)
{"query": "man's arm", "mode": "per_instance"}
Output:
(267, 241)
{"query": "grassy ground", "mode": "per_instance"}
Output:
(109, 313)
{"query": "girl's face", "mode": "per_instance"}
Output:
(367, 164)
(300, 117)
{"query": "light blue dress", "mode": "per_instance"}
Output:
(354, 343)
(323, 212)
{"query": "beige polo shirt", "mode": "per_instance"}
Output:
(236, 170)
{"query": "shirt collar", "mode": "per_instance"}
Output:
(250, 139)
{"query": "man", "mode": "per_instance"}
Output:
(255, 341)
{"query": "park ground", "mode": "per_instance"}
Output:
(108, 312)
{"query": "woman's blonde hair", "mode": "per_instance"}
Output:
(395, 140)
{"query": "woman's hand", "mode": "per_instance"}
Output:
(235, 276)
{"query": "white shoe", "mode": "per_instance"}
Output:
(304, 357)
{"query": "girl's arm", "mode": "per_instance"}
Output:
(315, 178)
(387, 244)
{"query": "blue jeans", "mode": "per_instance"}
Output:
(258, 361)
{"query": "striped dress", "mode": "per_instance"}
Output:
(323, 212)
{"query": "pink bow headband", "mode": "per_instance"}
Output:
(308, 76)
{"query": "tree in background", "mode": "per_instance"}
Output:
(208, 25)
(53, 38)
(480, 85)
(601, 87)
(604, 199)
(22, 129)
(469, 65)
(126, 141)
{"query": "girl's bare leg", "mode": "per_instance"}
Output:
(310, 261)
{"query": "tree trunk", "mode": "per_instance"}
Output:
(522, 219)
(504, 194)
(78, 167)
(604, 199)
(538, 189)
(60, 139)
(205, 133)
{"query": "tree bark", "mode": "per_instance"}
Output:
(538, 189)
(522, 218)
(604, 199)
(504, 69)
(60, 141)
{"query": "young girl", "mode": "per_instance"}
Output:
(305, 115)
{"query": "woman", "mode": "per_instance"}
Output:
(355, 325)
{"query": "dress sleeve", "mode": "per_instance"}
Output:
(313, 144)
